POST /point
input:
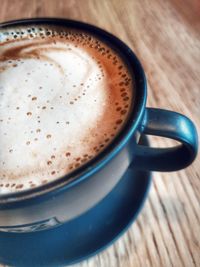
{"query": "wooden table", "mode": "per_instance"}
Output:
(166, 37)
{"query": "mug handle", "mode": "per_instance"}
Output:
(172, 125)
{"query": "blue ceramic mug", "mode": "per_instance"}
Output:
(59, 201)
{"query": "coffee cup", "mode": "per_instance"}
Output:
(73, 185)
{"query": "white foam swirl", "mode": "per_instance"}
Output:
(47, 107)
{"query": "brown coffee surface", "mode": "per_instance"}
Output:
(64, 96)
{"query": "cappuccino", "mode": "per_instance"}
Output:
(64, 96)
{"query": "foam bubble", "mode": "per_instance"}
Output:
(64, 96)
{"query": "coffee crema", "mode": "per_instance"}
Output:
(64, 96)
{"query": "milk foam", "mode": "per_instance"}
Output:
(61, 102)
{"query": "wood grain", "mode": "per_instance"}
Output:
(166, 37)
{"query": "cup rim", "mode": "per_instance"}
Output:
(135, 115)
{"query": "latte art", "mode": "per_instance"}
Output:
(64, 96)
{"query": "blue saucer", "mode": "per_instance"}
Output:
(84, 236)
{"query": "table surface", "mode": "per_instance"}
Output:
(165, 35)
